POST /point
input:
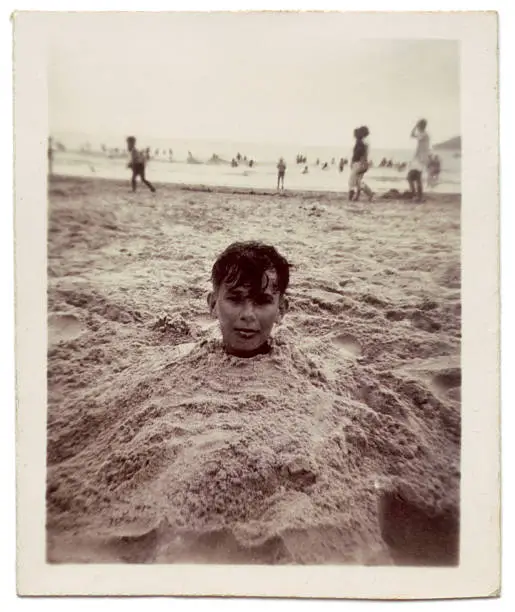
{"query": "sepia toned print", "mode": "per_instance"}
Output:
(339, 444)
(254, 296)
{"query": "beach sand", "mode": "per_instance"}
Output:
(341, 446)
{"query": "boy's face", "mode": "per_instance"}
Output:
(246, 318)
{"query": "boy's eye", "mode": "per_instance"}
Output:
(264, 299)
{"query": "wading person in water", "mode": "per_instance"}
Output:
(433, 170)
(137, 164)
(248, 296)
(281, 171)
(420, 160)
(359, 165)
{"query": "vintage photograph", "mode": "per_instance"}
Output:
(254, 290)
(253, 295)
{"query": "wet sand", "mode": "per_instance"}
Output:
(341, 446)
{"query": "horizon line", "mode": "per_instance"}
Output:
(229, 141)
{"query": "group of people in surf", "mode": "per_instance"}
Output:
(239, 159)
(424, 161)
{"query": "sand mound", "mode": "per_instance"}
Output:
(340, 446)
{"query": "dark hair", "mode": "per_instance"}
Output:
(361, 132)
(422, 124)
(131, 139)
(245, 263)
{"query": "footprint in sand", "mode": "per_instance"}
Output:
(425, 323)
(205, 322)
(63, 327)
(348, 344)
(137, 547)
(449, 382)
(416, 537)
(395, 315)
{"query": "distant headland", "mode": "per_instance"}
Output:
(453, 144)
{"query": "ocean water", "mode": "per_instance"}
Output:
(169, 164)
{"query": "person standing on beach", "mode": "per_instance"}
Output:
(359, 166)
(420, 160)
(281, 171)
(137, 163)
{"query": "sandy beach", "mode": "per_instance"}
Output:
(341, 446)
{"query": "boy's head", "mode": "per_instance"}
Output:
(131, 143)
(248, 297)
(422, 124)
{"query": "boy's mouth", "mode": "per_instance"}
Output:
(246, 333)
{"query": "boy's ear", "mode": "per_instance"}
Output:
(283, 308)
(211, 302)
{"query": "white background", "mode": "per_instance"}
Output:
(7, 450)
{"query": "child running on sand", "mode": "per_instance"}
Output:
(359, 165)
(248, 296)
(281, 170)
(137, 163)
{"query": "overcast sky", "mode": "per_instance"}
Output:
(276, 78)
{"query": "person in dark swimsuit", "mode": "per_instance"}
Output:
(137, 164)
(359, 165)
(281, 171)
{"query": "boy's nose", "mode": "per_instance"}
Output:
(247, 311)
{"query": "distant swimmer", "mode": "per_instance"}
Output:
(359, 165)
(341, 165)
(137, 164)
(305, 171)
(325, 166)
(318, 162)
(281, 171)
